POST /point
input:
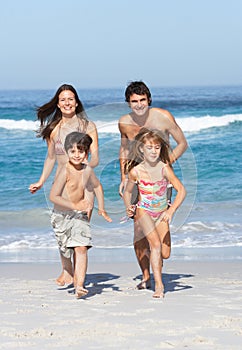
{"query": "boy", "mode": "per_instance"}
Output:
(70, 217)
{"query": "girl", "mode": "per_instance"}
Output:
(58, 117)
(149, 167)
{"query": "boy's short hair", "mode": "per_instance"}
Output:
(82, 140)
(138, 88)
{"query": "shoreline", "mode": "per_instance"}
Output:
(122, 254)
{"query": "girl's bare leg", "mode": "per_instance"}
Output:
(156, 263)
(163, 232)
(142, 251)
(147, 225)
(165, 238)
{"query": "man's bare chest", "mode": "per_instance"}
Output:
(150, 125)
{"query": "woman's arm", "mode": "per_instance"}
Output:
(47, 168)
(92, 132)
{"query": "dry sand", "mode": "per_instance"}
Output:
(201, 308)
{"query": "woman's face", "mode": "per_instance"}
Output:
(67, 103)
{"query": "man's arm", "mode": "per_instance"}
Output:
(176, 132)
(123, 155)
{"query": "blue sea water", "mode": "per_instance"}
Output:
(211, 169)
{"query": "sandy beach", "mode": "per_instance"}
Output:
(201, 308)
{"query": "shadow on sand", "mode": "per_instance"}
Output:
(96, 283)
(173, 282)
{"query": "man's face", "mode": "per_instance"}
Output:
(139, 104)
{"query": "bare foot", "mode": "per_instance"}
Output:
(64, 278)
(144, 285)
(159, 292)
(80, 292)
(60, 282)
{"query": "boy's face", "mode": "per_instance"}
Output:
(139, 104)
(76, 156)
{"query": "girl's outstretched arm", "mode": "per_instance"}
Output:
(180, 195)
(128, 193)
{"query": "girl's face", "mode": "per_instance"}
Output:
(151, 151)
(67, 103)
(76, 156)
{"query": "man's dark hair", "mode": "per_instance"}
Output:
(138, 88)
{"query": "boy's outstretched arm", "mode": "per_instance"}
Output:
(98, 189)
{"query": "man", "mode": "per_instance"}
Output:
(138, 97)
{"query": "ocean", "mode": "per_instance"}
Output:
(209, 223)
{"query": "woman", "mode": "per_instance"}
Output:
(63, 114)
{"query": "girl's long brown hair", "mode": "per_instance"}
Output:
(136, 157)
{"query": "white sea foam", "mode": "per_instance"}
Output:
(193, 234)
(192, 124)
(189, 124)
(22, 124)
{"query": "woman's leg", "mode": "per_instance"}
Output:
(156, 262)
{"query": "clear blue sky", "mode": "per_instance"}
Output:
(106, 43)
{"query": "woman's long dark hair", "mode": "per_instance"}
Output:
(135, 155)
(50, 115)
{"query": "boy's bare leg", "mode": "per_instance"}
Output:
(80, 271)
(66, 276)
